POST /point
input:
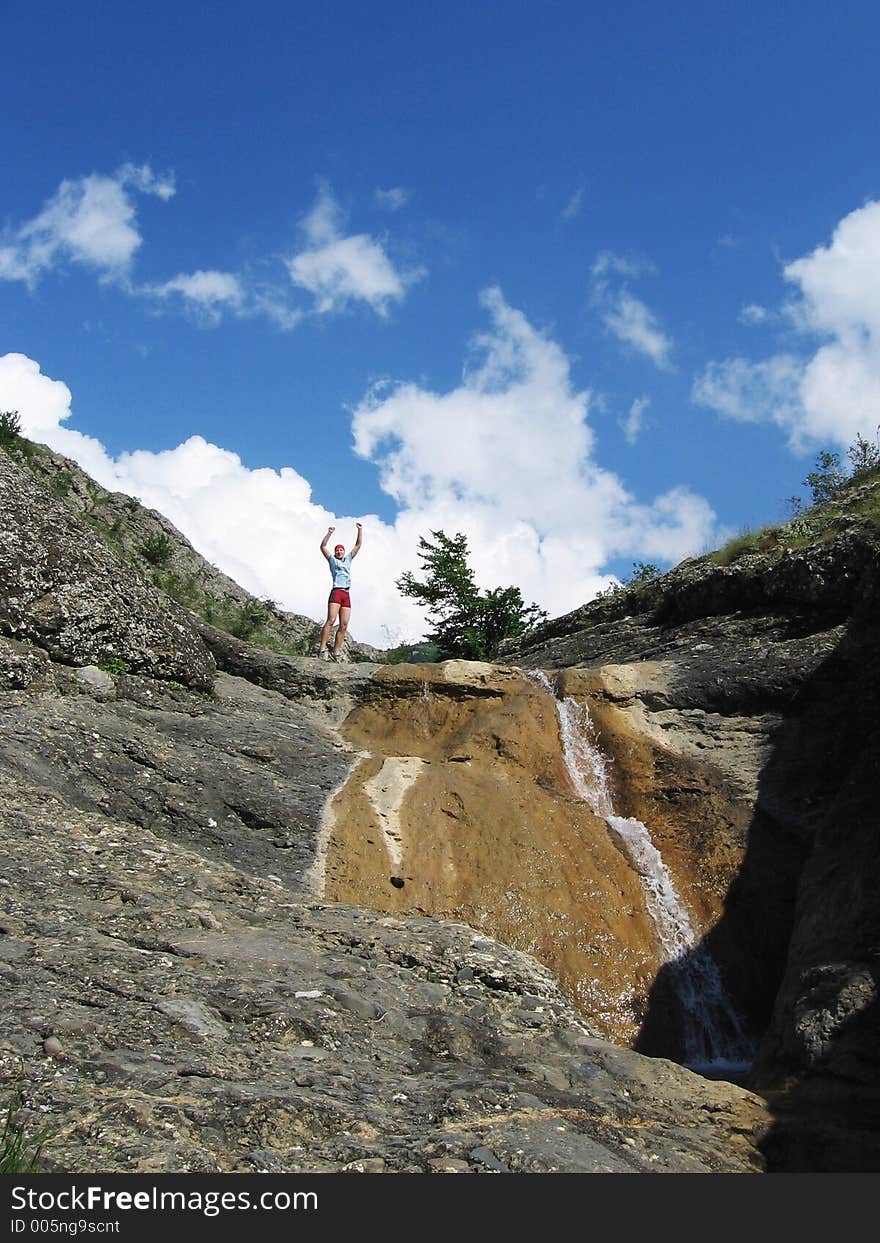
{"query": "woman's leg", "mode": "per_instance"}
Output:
(332, 614)
(344, 614)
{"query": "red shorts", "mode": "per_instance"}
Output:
(339, 595)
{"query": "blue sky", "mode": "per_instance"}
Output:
(591, 283)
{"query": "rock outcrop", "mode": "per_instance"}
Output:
(62, 589)
(747, 695)
(177, 1000)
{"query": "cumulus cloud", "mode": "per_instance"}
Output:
(627, 317)
(338, 269)
(507, 457)
(89, 221)
(831, 391)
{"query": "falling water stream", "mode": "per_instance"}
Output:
(713, 1037)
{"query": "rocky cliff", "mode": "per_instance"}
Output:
(741, 702)
(262, 913)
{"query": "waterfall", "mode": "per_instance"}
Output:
(712, 1033)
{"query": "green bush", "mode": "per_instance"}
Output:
(113, 664)
(744, 543)
(61, 485)
(642, 572)
(611, 592)
(157, 549)
(184, 588)
(248, 619)
(10, 428)
(827, 479)
(864, 455)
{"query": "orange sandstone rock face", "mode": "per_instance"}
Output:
(461, 794)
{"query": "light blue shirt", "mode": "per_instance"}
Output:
(341, 571)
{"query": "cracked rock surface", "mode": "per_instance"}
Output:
(170, 1012)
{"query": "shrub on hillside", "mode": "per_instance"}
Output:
(157, 549)
(248, 619)
(864, 455)
(10, 428)
(827, 479)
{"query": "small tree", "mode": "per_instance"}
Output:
(503, 614)
(10, 428)
(864, 454)
(643, 572)
(463, 621)
(827, 479)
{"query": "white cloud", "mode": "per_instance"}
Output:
(506, 457)
(92, 222)
(752, 392)
(207, 293)
(840, 283)
(208, 287)
(632, 322)
(624, 315)
(142, 177)
(338, 269)
(635, 420)
(832, 394)
(514, 419)
(393, 199)
(89, 221)
(43, 404)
